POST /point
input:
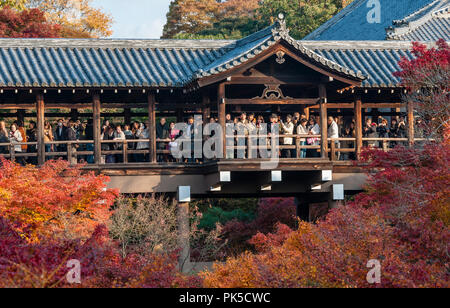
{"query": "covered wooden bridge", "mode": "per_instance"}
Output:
(267, 72)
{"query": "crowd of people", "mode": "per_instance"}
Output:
(137, 135)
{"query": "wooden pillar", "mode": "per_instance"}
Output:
(358, 126)
(206, 111)
(96, 108)
(323, 120)
(40, 117)
(152, 126)
(307, 114)
(410, 109)
(221, 109)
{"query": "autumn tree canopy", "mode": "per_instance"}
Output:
(16, 4)
(234, 19)
(428, 79)
(26, 24)
(78, 18)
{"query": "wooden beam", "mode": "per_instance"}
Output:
(221, 107)
(96, 108)
(206, 107)
(40, 110)
(152, 126)
(293, 101)
(358, 125)
(202, 82)
(292, 80)
(383, 105)
(323, 120)
(307, 113)
(335, 106)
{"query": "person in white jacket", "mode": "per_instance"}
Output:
(315, 131)
(303, 131)
(288, 129)
(333, 133)
(142, 133)
(15, 137)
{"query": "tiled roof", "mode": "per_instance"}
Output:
(376, 59)
(175, 63)
(247, 48)
(428, 24)
(352, 23)
(104, 63)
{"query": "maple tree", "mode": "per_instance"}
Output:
(402, 220)
(26, 24)
(16, 4)
(270, 212)
(77, 18)
(56, 213)
(427, 77)
(45, 265)
(55, 199)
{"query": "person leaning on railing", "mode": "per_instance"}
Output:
(288, 129)
(48, 136)
(15, 137)
(302, 130)
(120, 136)
(32, 137)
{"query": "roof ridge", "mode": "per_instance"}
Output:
(418, 12)
(335, 19)
(409, 24)
(247, 49)
(113, 43)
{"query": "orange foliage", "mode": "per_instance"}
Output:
(56, 200)
(402, 220)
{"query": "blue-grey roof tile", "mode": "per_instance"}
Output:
(352, 22)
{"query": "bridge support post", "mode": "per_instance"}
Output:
(221, 108)
(152, 126)
(410, 109)
(323, 121)
(40, 112)
(183, 199)
(302, 209)
(358, 126)
(337, 196)
(96, 108)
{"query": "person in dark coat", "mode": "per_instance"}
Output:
(32, 137)
(162, 133)
(60, 134)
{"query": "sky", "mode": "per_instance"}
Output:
(136, 18)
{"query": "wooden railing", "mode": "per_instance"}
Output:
(73, 150)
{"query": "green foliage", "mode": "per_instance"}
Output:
(15, 4)
(226, 29)
(231, 20)
(302, 17)
(216, 215)
(249, 205)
